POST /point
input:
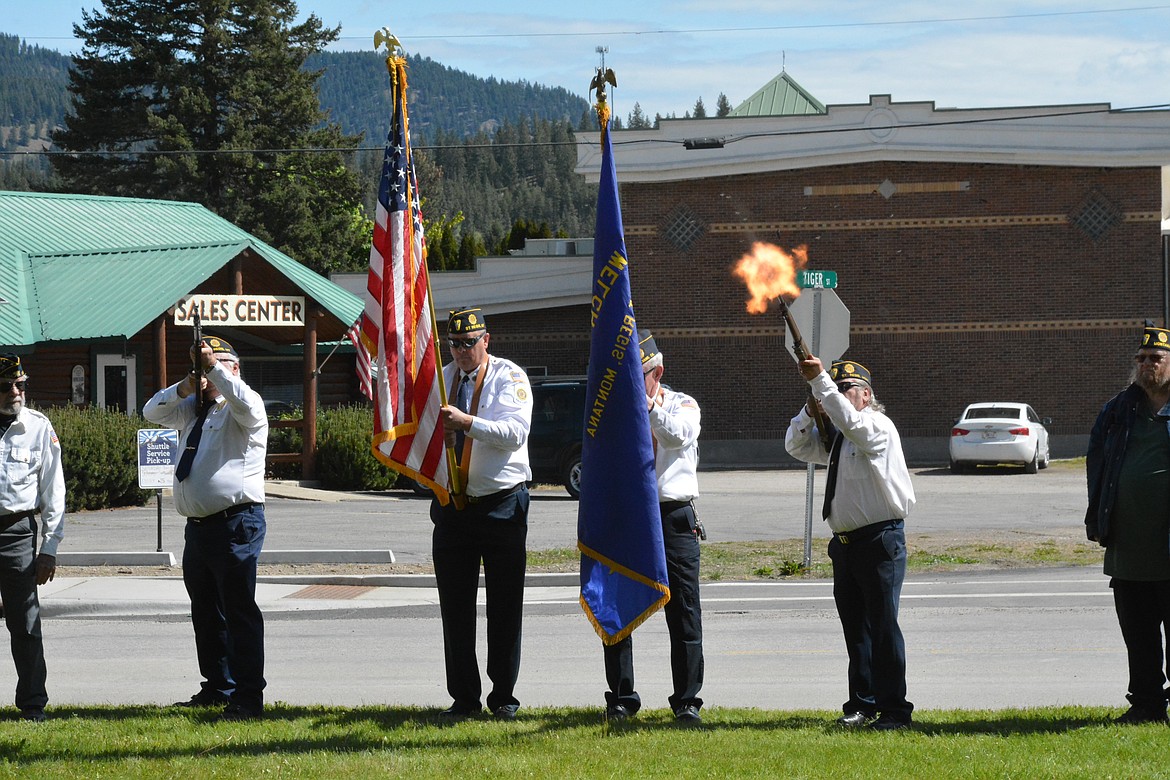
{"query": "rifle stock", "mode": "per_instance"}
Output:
(802, 353)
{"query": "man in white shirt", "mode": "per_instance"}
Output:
(486, 419)
(219, 488)
(32, 484)
(867, 495)
(674, 426)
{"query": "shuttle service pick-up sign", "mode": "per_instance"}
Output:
(251, 310)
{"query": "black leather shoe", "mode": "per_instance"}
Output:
(505, 712)
(34, 714)
(854, 720)
(888, 723)
(456, 713)
(688, 716)
(1138, 715)
(617, 712)
(204, 698)
(234, 712)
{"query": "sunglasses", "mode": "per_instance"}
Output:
(845, 387)
(465, 343)
(6, 387)
(1152, 358)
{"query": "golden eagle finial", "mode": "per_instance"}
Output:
(384, 36)
(599, 81)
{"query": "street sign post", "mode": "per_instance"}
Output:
(824, 321)
(158, 451)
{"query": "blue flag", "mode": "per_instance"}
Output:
(619, 528)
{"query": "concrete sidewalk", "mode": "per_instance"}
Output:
(125, 596)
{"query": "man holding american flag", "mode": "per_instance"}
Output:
(486, 421)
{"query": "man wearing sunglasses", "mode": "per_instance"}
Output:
(486, 420)
(1127, 465)
(867, 496)
(31, 484)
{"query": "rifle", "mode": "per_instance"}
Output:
(197, 362)
(802, 353)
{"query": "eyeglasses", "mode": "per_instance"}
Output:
(1155, 359)
(845, 387)
(465, 343)
(6, 387)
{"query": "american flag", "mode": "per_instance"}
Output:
(365, 380)
(398, 324)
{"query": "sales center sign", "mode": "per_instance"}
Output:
(236, 310)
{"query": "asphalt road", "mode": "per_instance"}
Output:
(734, 506)
(987, 640)
(992, 640)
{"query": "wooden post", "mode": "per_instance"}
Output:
(309, 427)
(160, 353)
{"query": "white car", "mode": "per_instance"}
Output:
(1000, 432)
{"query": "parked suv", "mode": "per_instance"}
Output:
(558, 422)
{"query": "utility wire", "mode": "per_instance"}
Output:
(616, 141)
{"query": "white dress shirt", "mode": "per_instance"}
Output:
(873, 483)
(229, 465)
(31, 477)
(499, 427)
(674, 424)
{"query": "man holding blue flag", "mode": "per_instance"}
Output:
(674, 423)
(619, 528)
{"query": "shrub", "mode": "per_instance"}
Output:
(99, 455)
(344, 459)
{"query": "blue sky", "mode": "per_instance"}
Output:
(668, 54)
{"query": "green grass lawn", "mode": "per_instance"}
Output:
(339, 742)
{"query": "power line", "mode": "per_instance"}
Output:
(616, 141)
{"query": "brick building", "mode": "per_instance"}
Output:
(984, 254)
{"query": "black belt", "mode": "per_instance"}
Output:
(499, 494)
(867, 532)
(224, 514)
(16, 517)
(666, 507)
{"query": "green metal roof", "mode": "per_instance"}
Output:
(86, 267)
(781, 96)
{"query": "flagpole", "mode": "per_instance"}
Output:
(449, 450)
(321, 365)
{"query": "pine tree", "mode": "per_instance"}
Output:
(700, 111)
(637, 119)
(207, 102)
(722, 106)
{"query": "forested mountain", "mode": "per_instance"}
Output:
(32, 101)
(355, 88)
(481, 190)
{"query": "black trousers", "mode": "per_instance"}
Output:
(684, 621)
(494, 534)
(868, 571)
(219, 570)
(1143, 612)
(22, 610)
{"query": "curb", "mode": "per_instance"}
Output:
(266, 556)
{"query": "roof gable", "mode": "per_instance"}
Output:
(781, 96)
(66, 259)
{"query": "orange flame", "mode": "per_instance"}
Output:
(769, 272)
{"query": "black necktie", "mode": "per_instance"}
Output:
(188, 456)
(831, 482)
(463, 401)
